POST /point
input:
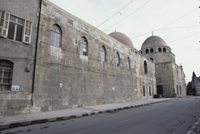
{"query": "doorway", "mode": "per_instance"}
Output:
(159, 89)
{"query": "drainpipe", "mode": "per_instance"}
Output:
(36, 47)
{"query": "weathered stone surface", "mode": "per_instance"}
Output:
(86, 80)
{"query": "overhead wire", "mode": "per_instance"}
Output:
(115, 13)
(102, 22)
(182, 38)
(166, 24)
(127, 16)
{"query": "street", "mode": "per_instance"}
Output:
(175, 117)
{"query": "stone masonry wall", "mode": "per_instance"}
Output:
(66, 79)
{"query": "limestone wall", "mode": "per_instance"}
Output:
(65, 79)
(179, 80)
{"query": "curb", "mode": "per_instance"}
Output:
(62, 118)
(194, 127)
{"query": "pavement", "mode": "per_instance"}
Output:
(66, 114)
(195, 129)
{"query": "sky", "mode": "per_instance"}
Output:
(175, 21)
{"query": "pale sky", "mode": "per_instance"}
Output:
(175, 21)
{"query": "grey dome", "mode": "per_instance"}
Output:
(153, 41)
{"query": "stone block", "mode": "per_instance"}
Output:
(35, 109)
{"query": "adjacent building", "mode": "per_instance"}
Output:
(196, 84)
(170, 78)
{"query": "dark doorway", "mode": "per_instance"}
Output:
(159, 89)
(177, 89)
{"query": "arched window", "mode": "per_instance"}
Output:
(84, 46)
(103, 54)
(164, 49)
(128, 63)
(117, 59)
(56, 35)
(6, 71)
(147, 51)
(145, 67)
(143, 90)
(151, 50)
(159, 49)
(149, 91)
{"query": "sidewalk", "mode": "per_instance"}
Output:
(195, 129)
(43, 117)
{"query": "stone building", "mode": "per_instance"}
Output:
(65, 63)
(18, 21)
(196, 84)
(170, 78)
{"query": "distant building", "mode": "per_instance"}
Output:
(50, 60)
(196, 84)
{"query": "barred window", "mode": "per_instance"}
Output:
(103, 54)
(84, 46)
(55, 39)
(117, 59)
(6, 71)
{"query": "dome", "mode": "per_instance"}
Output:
(154, 41)
(122, 38)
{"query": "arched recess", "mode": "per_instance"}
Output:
(84, 46)
(103, 54)
(147, 51)
(56, 36)
(117, 59)
(145, 67)
(129, 63)
(164, 49)
(159, 49)
(151, 50)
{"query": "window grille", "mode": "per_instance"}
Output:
(55, 39)
(84, 46)
(6, 71)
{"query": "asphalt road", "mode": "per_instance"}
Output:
(172, 117)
